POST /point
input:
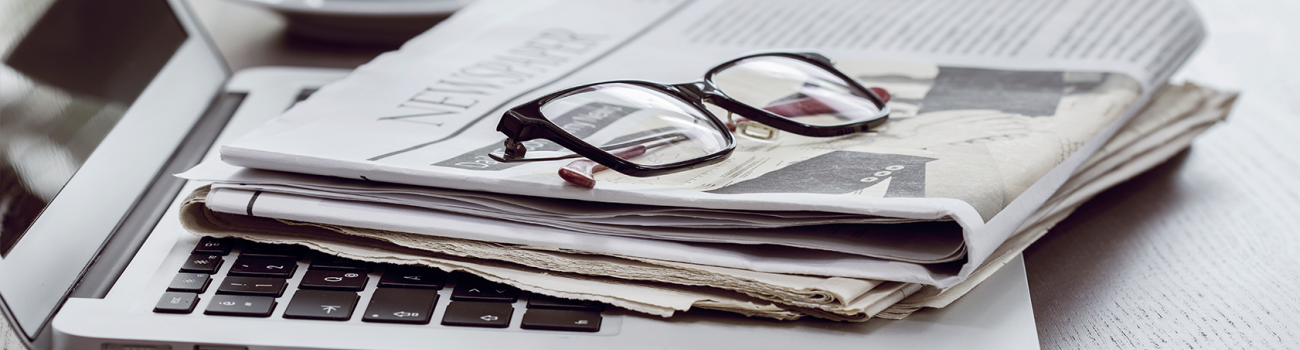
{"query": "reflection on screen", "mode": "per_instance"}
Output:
(71, 68)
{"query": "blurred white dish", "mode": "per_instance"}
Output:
(361, 22)
(365, 7)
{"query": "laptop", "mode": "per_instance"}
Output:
(103, 101)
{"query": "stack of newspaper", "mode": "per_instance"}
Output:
(1008, 115)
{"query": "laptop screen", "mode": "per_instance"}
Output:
(71, 69)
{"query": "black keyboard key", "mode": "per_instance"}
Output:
(202, 263)
(413, 277)
(282, 267)
(296, 252)
(190, 283)
(538, 301)
(321, 305)
(477, 314)
(177, 303)
(352, 280)
(401, 305)
(266, 286)
(561, 320)
(214, 246)
(472, 288)
(330, 262)
(240, 305)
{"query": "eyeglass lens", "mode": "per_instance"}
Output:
(796, 90)
(641, 125)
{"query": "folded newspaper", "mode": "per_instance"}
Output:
(662, 287)
(995, 107)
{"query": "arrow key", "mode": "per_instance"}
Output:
(401, 305)
(474, 288)
(478, 314)
(321, 305)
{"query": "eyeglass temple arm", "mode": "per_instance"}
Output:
(582, 172)
(515, 151)
(813, 105)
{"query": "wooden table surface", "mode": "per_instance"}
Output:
(1202, 252)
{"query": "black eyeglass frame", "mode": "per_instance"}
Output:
(525, 122)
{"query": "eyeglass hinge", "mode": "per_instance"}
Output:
(514, 150)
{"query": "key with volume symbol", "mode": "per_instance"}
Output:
(401, 305)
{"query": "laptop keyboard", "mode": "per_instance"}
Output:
(261, 276)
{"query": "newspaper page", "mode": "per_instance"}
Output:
(997, 103)
(1166, 128)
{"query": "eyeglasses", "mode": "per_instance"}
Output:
(642, 128)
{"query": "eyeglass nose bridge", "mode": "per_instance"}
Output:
(752, 129)
(695, 90)
(702, 92)
(818, 57)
